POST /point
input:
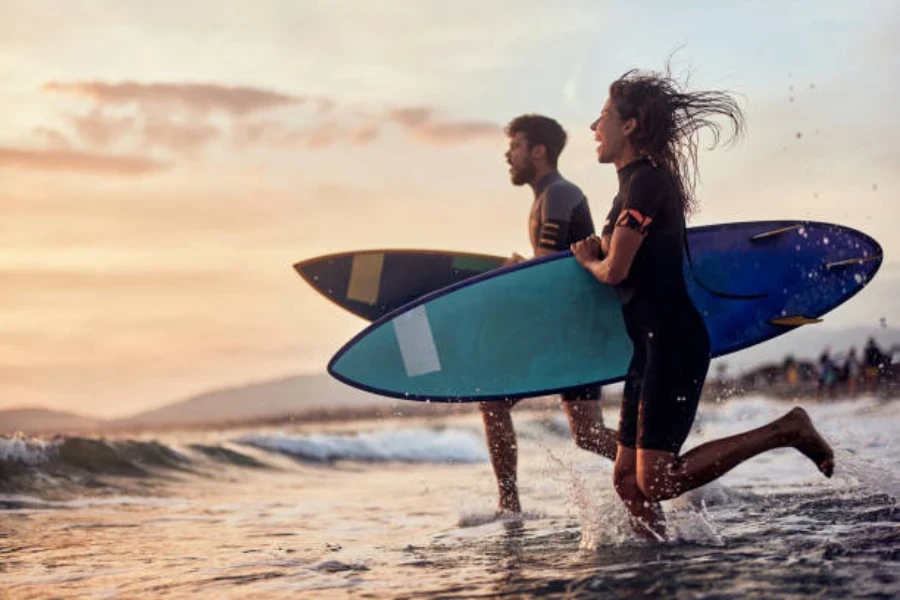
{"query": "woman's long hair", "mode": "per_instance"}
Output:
(669, 120)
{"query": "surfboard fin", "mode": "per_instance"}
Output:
(774, 232)
(852, 261)
(794, 321)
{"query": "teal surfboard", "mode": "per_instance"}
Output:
(546, 325)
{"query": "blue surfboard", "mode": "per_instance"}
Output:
(546, 325)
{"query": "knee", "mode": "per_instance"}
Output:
(497, 407)
(491, 409)
(626, 486)
(653, 485)
(582, 436)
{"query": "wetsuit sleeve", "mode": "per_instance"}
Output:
(643, 201)
(609, 224)
(556, 216)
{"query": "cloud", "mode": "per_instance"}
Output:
(76, 161)
(55, 138)
(421, 123)
(198, 98)
(186, 118)
(97, 128)
(178, 136)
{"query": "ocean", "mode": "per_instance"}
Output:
(404, 508)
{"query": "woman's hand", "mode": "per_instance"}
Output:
(587, 251)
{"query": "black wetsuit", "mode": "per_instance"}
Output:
(671, 344)
(560, 216)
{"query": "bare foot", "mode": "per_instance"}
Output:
(806, 439)
(654, 531)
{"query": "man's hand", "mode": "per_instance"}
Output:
(513, 260)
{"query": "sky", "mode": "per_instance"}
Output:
(162, 165)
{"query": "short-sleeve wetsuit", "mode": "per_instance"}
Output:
(671, 344)
(560, 216)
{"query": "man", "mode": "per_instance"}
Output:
(560, 216)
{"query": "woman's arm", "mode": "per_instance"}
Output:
(614, 268)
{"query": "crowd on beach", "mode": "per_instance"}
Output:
(873, 371)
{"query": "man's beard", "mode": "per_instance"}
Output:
(523, 175)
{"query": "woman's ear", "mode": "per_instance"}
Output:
(629, 126)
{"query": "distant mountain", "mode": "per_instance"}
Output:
(36, 420)
(320, 395)
(298, 395)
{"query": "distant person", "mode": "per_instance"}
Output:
(559, 216)
(791, 375)
(827, 374)
(851, 371)
(648, 129)
(873, 359)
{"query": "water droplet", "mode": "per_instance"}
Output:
(874, 187)
(798, 135)
(825, 241)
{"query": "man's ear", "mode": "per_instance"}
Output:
(629, 126)
(538, 152)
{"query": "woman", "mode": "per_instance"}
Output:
(649, 130)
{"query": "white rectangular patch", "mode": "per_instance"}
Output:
(365, 278)
(416, 342)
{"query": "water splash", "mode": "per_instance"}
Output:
(853, 470)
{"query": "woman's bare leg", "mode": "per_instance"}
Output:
(662, 476)
(646, 516)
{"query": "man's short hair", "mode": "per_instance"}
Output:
(542, 130)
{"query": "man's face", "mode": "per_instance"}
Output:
(609, 133)
(521, 163)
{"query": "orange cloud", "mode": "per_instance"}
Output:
(55, 138)
(98, 128)
(178, 117)
(182, 137)
(193, 97)
(85, 162)
(421, 123)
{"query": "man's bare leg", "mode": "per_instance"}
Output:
(501, 442)
(586, 423)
